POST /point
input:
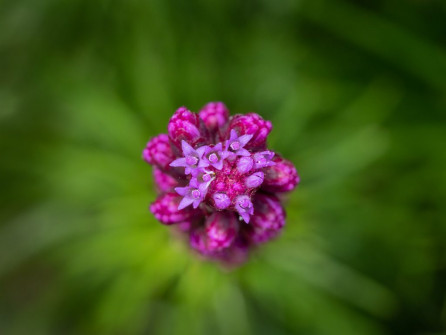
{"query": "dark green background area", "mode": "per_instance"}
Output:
(356, 91)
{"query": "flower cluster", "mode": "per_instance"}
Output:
(218, 182)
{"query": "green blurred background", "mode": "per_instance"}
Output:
(356, 91)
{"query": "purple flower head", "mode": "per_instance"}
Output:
(193, 194)
(191, 158)
(214, 156)
(228, 173)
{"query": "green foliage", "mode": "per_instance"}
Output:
(356, 92)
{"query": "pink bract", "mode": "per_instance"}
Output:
(217, 181)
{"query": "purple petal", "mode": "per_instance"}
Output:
(182, 190)
(233, 135)
(218, 165)
(185, 202)
(225, 154)
(245, 216)
(194, 183)
(244, 139)
(196, 203)
(243, 152)
(200, 151)
(187, 149)
(189, 170)
(179, 162)
(203, 188)
(203, 163)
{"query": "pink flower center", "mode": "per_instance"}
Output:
(235, 145)
(245, 203)
(213, 158)
(196, 194)
(191, 160)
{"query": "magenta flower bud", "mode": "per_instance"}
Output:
(185, 126)
(165, 209)
(245, 164)
(159, 152)
(221, 230)
(282, 177)
(214, 115)
(244, 207)
(221, 200)
(163, 181)
(268, 219)
(198, 240)
(254, 180)
(252, 124)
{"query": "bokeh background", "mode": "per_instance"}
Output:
(356, 91)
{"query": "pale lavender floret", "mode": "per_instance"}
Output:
(236, 144)
(244, 207)
(191, 158)
(213, 156)
(193, 194)
(245, 164)
(263, 159)
(221, 200)
(255, 180)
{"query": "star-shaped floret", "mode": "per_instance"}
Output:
(236, 144)
(191, 158)
(193, 194)
(214, 156)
